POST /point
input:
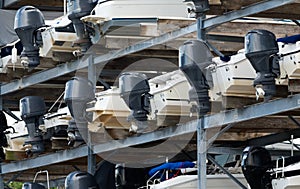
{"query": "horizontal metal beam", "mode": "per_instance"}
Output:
(210, 121)
(252, 112)
(274, 138)
(7, 3)
(246, 11)
(42, 76)
(73, 66)
(214, 120)
(44, 160)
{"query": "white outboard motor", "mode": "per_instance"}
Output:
(32, 110)
(80, 180)
(76, 10)
(29, 185)
(261, 49)
(194, 57)
(78, 92)
(28, 21)
(134, 89)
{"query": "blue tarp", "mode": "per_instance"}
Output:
(290, 39)
(172, 166)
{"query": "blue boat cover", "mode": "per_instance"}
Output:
(290, 39)
(172, 166)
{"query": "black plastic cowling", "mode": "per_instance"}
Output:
(80, 180)
(3, 139)
(194, 57)
(255, 163)
(28, 20)
(78, 92)
(32, 109)
(134, 89)
(261, 49)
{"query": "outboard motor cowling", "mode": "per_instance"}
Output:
(261, 49)
(78, 92)
(32, 109)
(29, 185)
(80, 180)
(28, 21)
(3, 139)
(76, 10)
(194, 57)
(255, 163)
(134, 89)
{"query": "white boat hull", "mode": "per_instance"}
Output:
(141, 9)
(191, 182)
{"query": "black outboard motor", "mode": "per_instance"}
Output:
(3, 139)
(194, 57)
(261, 49)
(78, 93)
(134, 89)
(28, 21)
(32, 110)
(80, 180)
(255, 163)
(120, 177)
(29, 185)
(76, 10)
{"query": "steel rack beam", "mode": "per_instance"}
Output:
(273, 138)
(246, 11)
(210, 121)
(252, 112)
(79, 64)
(44, 160)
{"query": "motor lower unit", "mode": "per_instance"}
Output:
(32, 109)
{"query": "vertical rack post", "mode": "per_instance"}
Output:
(201, 159)
(92, 76)
(201, 133)
(200, 30)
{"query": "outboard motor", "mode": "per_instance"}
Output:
(255, 163)
(78, 93)
(29, 185)
(3, 139)
(80, 180)
(200, 7)
(134, 89)
(120, 177)
(32, 109)
(28, 21)
(261, 49)
(194, 57)
(76, 10)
